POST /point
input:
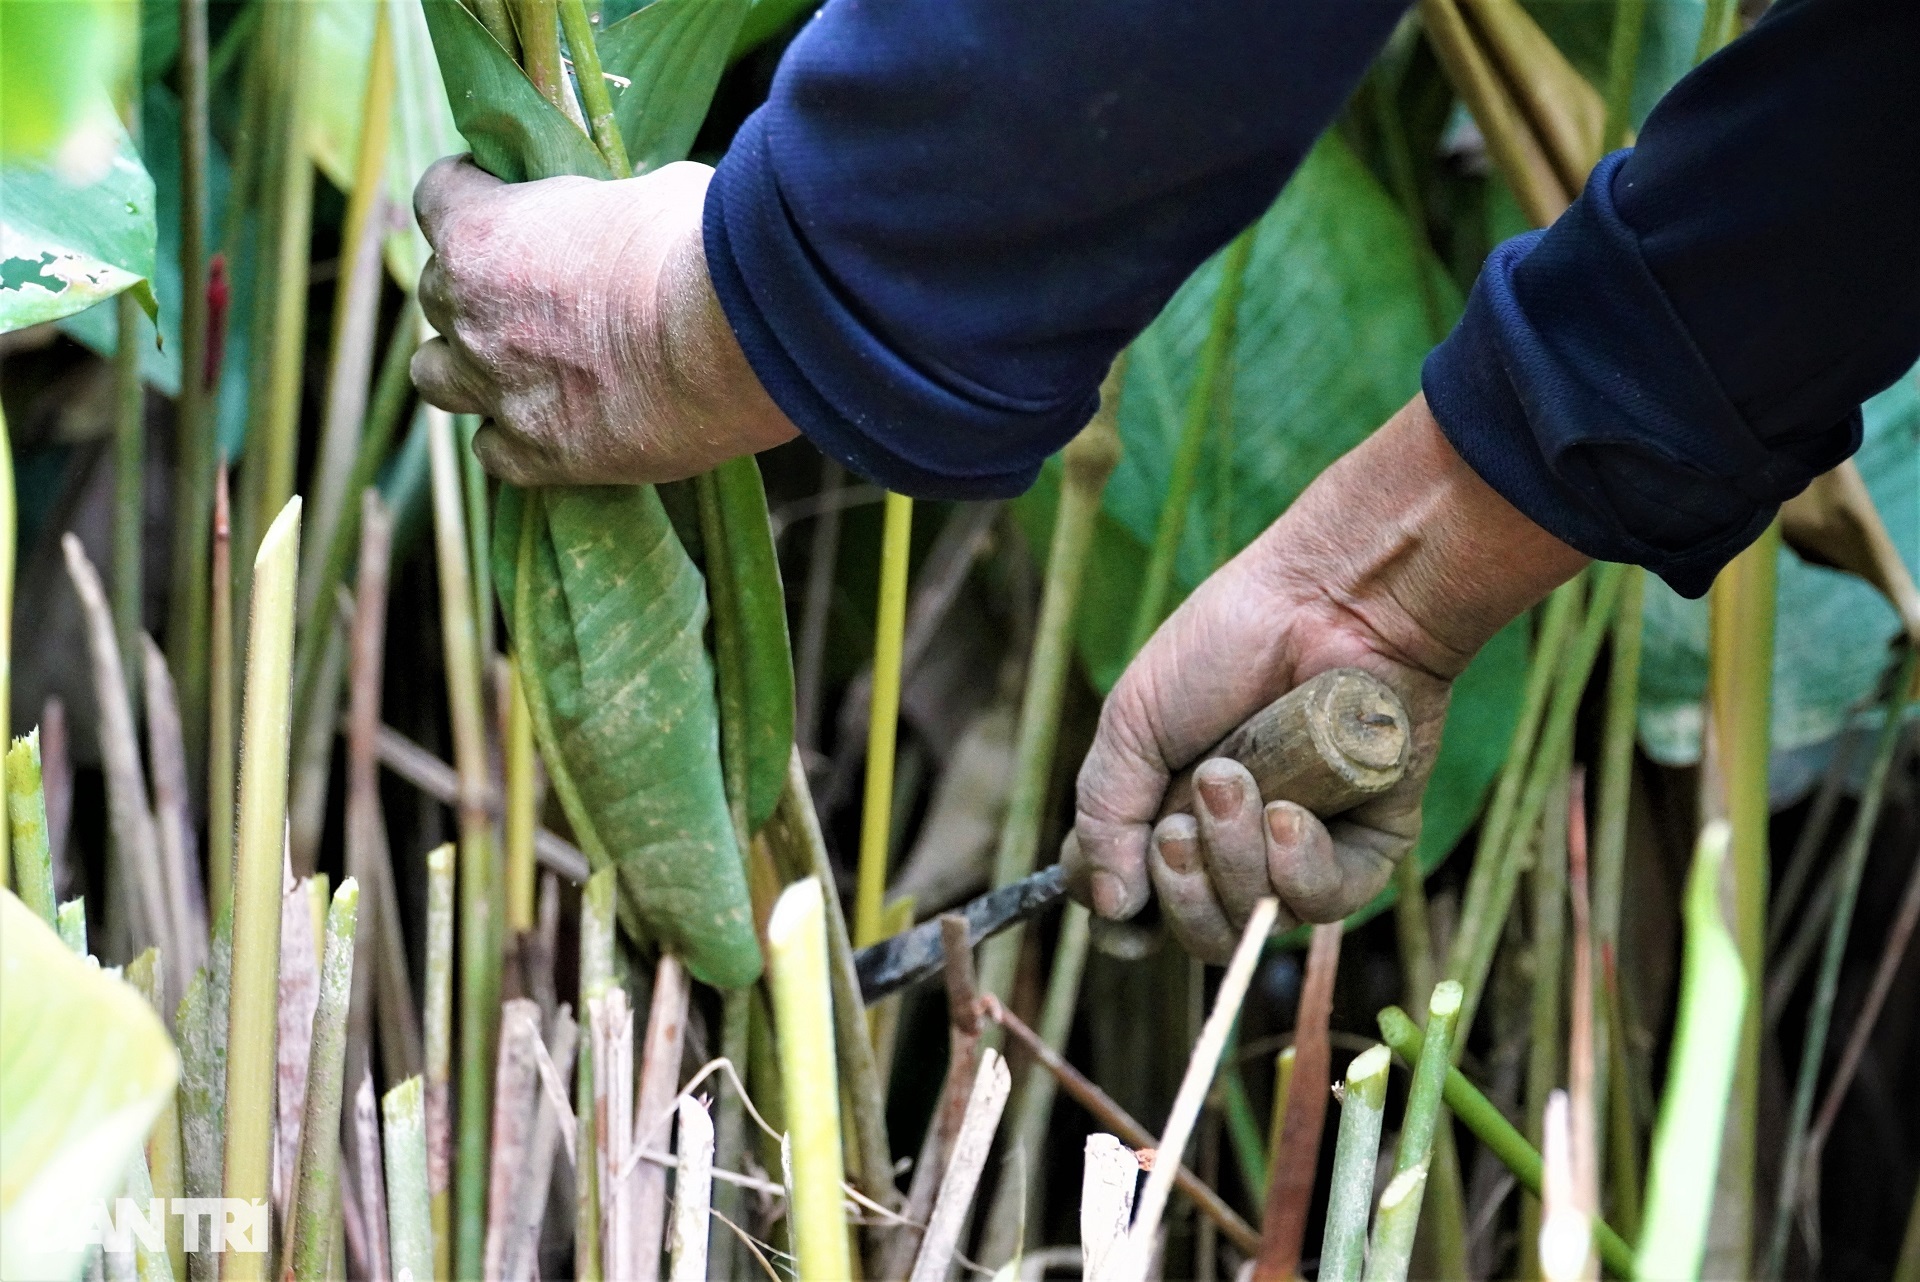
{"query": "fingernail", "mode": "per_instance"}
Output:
(1282, 824)
(1109, 894)
(1221, 797)
(1180, 852)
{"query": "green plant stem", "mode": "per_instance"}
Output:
(27, 817)
(1277, 1120)
(409, 1222)
(356, 317)
(1156, 584)
(889, 631)
(317, 1190)
(1491, 1127)
(1430, 1072)
(1362, 1113)
(253, 1011)
(129, 483)
(1741, 610)
(797, 941)
(520, 817)
(165, 1161)
(1397, 1226)
(274, 432)
(537, 23)
(1249, 1147)
(499, 24)
(1550, 758)
(1557, 621)
(437, 1018)
(473, 492)
(1610, 818)
(391, 392)
(1032, 1106)
(594, 98)
(200, 1026)
(480, 956)
(73, 925)
(596, 978)
(220, 725)
(794, 835)
(1826, 986)
(1689, 1141)
(1549, 950)
(1623, 61)
(193, 421)
(1086, 463)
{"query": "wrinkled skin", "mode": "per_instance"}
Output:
(579, 318)
(1398, 560)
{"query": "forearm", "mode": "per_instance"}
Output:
(951, 214)
(1688, 346)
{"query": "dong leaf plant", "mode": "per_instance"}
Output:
(666, 747)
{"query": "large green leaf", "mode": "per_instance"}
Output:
(66, 245)
(514, 132)
(747, 569)
(609, 615)
(1832, 629)
(671, 54)
(85, 1067)
(61, 64)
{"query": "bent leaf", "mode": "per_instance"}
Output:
(65, 246)
(85, 1067)
(515, 133)
(671, 54)
(749, 569)
(608, 615)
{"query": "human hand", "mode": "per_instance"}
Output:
(1400, 561)
(578, 317)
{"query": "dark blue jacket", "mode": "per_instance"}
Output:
(950, 215)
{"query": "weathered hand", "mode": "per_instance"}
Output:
(579, 318)
(1398, 560)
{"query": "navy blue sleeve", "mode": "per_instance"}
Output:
(1689, 344)
(950, 215)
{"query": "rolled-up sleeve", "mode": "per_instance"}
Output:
(950, 215)
(1689, 344)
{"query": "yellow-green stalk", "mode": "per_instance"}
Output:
(409, 1222)
(797, 943)
(1362, 1111)
(520, 819)
(1734, 780)
(480, 957)
(165, 1161)
(889, 632)
(595, 101)
(1393, 1236)
(27, 821)
(256, 887)
(438, 1018)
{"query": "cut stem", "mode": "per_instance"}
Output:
(252, 1016)
(409, 1222)
(438, 1018)
(27, 815)
(797, 941)
(1362, 1113)
(318, 1190)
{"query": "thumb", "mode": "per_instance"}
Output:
(449, 185)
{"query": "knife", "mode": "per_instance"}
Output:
(1328, 744)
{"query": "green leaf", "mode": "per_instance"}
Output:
(671, 53)
(62, 62)
(1831, 631)
(608, 614)
(514, 132)
(65, 246)
(1329, 340)
(85, 1067)
(748, 569)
